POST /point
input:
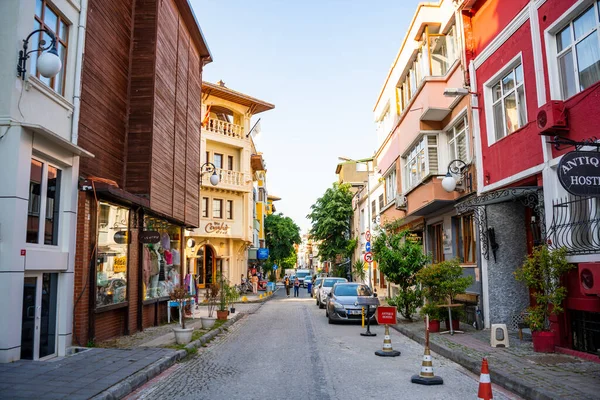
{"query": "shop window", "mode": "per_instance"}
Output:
(205, 207)
(217, 208)
(508, 108)
(44, 199)
(161, 260)
(218, 160)
(391, 186)
(111, 258)
(421, 161)
(464, 229)
(229, 209)
(458, 140)
(47, 17)
(578, 52)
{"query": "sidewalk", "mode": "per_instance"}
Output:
(113, 369)
(518, 368)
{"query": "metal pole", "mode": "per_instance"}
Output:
(369, 207)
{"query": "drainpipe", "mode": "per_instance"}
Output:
(78, 68)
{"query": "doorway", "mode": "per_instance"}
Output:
(205, 265)
(38, 330)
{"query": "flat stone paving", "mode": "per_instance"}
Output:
(80, 376)
(543, 376)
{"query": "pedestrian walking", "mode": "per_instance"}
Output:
(296, 287)
(255, 284)
(286, 282)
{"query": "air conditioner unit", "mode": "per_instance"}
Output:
(589, 278)
(552, 119)
(401, 202)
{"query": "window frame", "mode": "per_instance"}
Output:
(205, 204)
(220, 166)
(510, 66)
(230, 163)
(391, 185)
(413, 154)
(451, 136)
(218, 209)
(552, 55)
(461, 246)
(43, 205)
(60, 18)
(229, 209)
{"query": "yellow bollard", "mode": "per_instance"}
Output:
(260, 296)
(244, 299)
(363, 317)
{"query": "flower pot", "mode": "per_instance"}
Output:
(183, 335)
(543, 341)
(232, 310)
(222, 315)
(434, 325)
(207, 322)
(455, 325)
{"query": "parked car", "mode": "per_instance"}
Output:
(315, 287)
(325, 288)
(342, 302)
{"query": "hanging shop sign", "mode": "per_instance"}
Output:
(579, 173)
(262, 253)
(149, 237)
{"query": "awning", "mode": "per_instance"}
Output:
(497, 196)
(57, 139)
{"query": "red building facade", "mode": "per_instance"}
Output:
(535, 74)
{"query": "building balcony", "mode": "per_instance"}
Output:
(225, 128)
(229, 180)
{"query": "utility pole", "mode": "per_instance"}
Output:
(369, 207)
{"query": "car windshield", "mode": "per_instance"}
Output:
(303, 274)
(317, 281)
(352, 290)
(331, 282)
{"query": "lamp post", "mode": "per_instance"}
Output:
(456, 167)
(48, 63)
(208, 168)
(366, 162)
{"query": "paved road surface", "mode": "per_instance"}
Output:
(287, 350)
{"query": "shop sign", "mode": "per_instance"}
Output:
(120, 264)
(149, 237)
(386, 315)
(216, 227)
(121, 237)
(579, 173)
(262, 253)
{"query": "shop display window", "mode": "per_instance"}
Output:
(162, 260)
(111, 260)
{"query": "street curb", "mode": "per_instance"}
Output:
(501, 378)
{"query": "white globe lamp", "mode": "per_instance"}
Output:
(449, 183)
(48, 63)
(214, 179)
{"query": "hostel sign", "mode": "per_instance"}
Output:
(579, 173)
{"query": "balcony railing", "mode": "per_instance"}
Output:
(230, 179)
(225, 128)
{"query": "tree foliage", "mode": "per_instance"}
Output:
(281, 233)
(330, 217)
(400, 258)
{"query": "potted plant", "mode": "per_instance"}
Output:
(222, 310)
(542, 272)
(441, 283)
(211, 295)
(183, 335)
(436, 314)
(232, 296)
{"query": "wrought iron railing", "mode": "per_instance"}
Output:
(576, 225)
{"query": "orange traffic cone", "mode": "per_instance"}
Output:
(485, 383)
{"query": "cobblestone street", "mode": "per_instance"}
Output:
(288, 350)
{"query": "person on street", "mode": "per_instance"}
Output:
(296, 287)
(286, 282)
(255, 284)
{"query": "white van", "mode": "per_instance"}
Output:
(302, 274)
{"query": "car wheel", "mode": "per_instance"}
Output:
(327, 312)
(330, 321)
(321, 305)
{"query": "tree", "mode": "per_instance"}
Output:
(281, 233)
(358, 270)
(330, 217)
(400, 257)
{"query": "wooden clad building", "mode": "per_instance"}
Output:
(140, 116)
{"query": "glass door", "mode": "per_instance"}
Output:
(38, 332)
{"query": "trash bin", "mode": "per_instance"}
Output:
(309, 286)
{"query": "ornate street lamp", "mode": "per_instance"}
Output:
(208, 168)
(457, 167)
(48, 63)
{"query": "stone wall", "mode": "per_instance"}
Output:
(507, 296)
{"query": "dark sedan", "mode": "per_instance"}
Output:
(343, 302)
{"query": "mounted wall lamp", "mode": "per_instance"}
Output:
(455, 92)
(208, 168)
(457, 167)
(48, 63)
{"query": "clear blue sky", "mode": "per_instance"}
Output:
(322, 63)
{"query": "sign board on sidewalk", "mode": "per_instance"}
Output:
(369, 257)
(386, 315)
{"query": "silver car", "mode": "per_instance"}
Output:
(315, 287)
(325, 288)
(343, 304)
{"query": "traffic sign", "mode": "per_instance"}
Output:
(386, 315)
(275, 267)
(368, 246)
(369, 257)
(368, 236)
